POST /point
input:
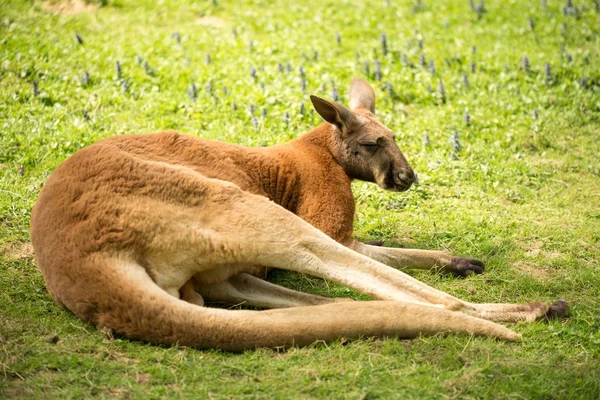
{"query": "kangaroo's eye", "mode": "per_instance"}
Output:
(370, 146)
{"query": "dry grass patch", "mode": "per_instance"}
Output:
(69, 7)
(537, 272)
(18, 250)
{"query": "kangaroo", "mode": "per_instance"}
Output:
(135, 232)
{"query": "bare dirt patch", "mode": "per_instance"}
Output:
(69, 7)
(18, 250)
(211, 21)
(537, 272)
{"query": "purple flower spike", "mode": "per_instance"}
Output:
(432, 67)
(193, 92)
(384, 48)
(525, 64)
(85, 78)
(548, 72)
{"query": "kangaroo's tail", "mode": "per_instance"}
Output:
(124, 298)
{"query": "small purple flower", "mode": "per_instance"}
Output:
(405, 59)
(254, 121)
(525, 64)
(264, 113)
(420, 44)
(286, 118)
(124, 86)
(455, 144)
(251, 109)
(432, 67)
(119, 70)
(334, 94)
(474, 49)
(426, 140)
(280, 67)
(36, 89)
(390, 89)
(301, 71)
(441, 91)
(367, 69)
(262, 85)
(303, 84)
(85, 78)
(583, 81)
(253, 73)
(378, 70)
(209, 86)
(465, 78)
(472, 67)
(338, 39)
(467, 118)
(146, 67)
(569, 58)
(233, 106)
(224, 90)
(176, 36)
(429, 88)
(422, 60)
(383, 40)
(288, 67)
(535, 114)
(548, 72)
(301, 109)
(193, 92)
(139, 59)
(234, 33)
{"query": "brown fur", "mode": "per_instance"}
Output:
(127, 226)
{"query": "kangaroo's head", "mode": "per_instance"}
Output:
(362, 145)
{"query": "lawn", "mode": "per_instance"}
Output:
(517, 81)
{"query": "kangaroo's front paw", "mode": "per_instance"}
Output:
(462, 266)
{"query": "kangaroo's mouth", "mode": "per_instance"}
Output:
(398, 181)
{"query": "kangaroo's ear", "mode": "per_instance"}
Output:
(335, 113)
(362, 95)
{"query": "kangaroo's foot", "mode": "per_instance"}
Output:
(461, 266)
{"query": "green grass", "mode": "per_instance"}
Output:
(522, 193)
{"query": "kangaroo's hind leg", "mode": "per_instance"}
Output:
(249, 290)
(266, 234)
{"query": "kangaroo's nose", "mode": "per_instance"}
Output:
(409, 176)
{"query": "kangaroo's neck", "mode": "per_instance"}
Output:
(324, 141)
(286, 171)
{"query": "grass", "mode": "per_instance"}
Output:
(522, 193)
